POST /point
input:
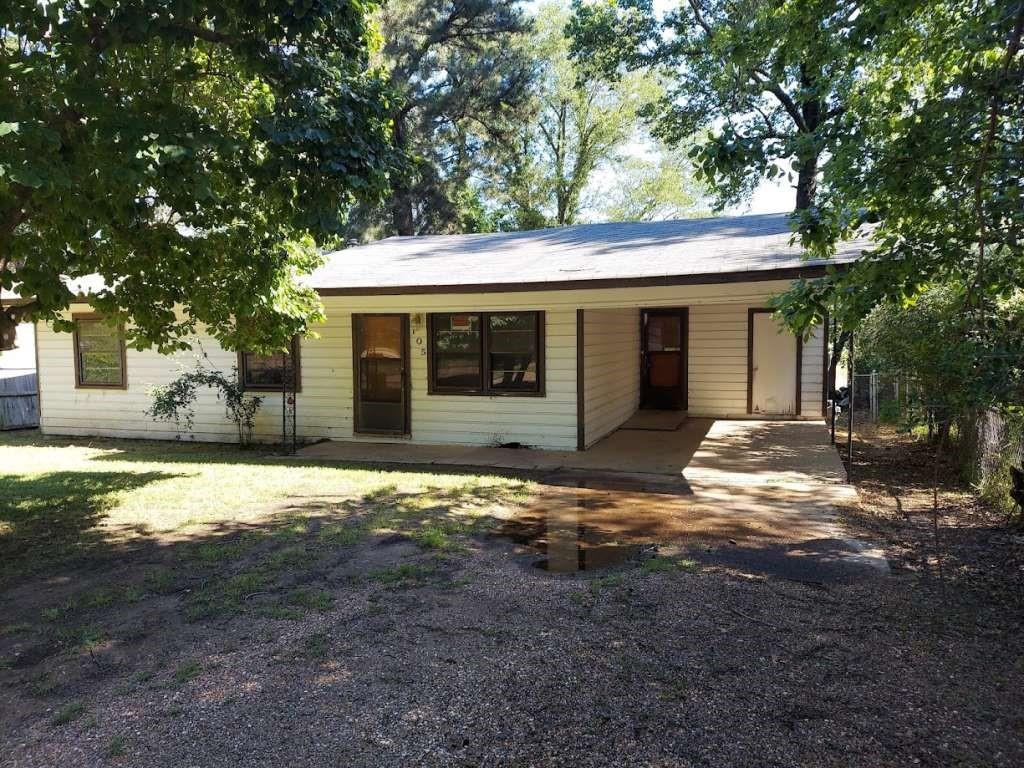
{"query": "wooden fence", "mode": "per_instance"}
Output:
(19, 401)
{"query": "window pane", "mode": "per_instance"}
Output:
(380, 359)
(265, 371)
(382, 337)
(513, 351)
(99, 353)
(455, 370)
(664, 334)
(457, 351)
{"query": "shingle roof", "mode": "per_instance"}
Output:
(687, 250)
(587, 255)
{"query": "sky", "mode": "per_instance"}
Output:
(769, 197)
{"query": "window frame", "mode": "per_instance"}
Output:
(486, 389)
(96, 317)
(296, 354)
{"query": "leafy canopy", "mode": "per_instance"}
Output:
(933, 341)
(577, 122)
(655, 190)
(933, 150)
(461, 76)
(190, 153)
(762, 83)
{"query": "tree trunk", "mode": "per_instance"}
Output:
(401, 209)
(560, 213)
(10, 318)
(807, 183)
(807, 174)
(838, 345)
(561, 184)
(8, 331)
(401, 190)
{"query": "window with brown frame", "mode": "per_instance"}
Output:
(265, 373)
(486, 353)
(99, 354)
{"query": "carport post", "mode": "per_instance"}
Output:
(830, 375)
(849, 425)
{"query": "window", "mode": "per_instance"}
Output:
(99, 353)
(487, 353)
(266, 372)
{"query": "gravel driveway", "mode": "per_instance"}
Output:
(318, 643)
(488, 662)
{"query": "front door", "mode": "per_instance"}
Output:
(663, 335)
(773, 366)
(381, 352)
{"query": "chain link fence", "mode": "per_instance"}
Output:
(987, 444)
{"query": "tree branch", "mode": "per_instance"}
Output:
(760, 77)
(698, 15)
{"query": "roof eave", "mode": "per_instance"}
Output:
(715, 278)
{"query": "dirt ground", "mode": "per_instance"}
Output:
(388, 649)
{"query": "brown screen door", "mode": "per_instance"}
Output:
(381, 352)
(663, 367)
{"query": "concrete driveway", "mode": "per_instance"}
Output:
(759, 498)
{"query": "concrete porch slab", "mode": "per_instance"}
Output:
(723, 451)
(755, 497)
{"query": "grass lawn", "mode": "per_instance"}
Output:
(65, 501)
(99, 536)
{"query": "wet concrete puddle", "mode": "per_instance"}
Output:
(593, 523)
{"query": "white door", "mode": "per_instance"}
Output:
(772, 367)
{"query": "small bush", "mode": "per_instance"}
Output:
(995, 482)
(176, 401)
(190, 670)
(116, 746)
(68, 713)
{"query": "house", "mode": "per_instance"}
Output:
(551, 338)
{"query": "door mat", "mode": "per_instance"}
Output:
(655, 421)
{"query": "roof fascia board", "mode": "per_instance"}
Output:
(789, 273)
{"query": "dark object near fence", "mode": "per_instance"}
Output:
(1017, 489)
(19, 401)
(841, 398)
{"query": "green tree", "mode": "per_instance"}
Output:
(933, 151)
(764, 82)
(933, 154)
(655, 190)
(956, 371)
(578, 122)
(188, 153)
(460, 74)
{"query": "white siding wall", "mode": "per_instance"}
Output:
(547, 422)
(121, 413)
(717, 371)
(718, 360)
(718, 363)
(324, 406)
(812, 375)
(611, 363)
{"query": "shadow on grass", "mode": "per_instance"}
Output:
(85, 605)
(53, 517)
(69, 577)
